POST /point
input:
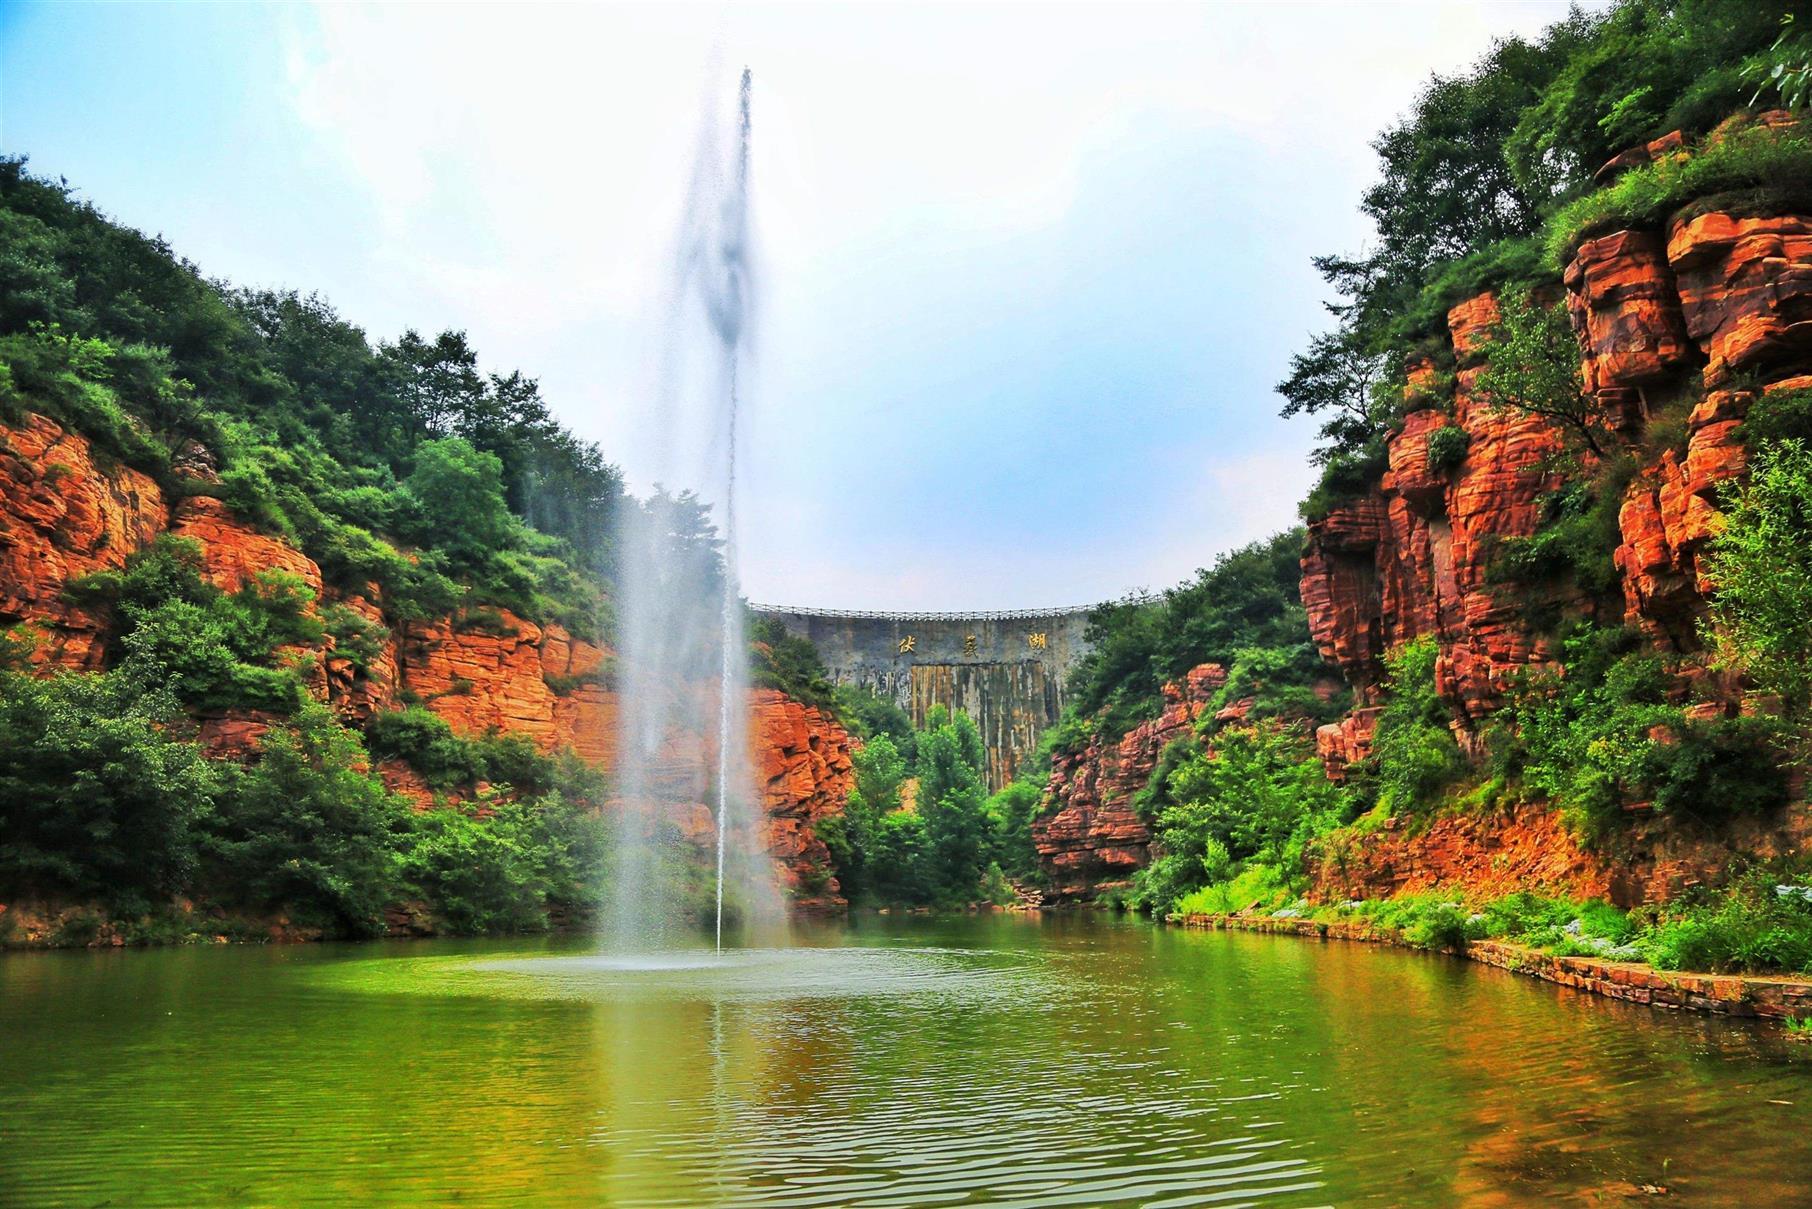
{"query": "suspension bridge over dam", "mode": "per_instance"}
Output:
(1006, 670)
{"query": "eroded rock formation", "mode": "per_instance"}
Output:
(1091, 838)
(1699, 318)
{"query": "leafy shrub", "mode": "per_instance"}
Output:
(97, 796)
(1776, 416)
(1761, 616)
(1414, 750)
(1347, 476)
(1447, 448)
(1259, 799)
(216, 651)
(868, 714)
(423, 740)
(1250, 598)
(306, 829)
(355, 639)
(1281, 682)
(1576, 538)
(1603, 734)
(1751, 925)
(481, 873)
(1257, 886)
(72, 379)
(781, 660)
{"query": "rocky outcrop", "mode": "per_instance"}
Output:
(802, 761)
(1745, 287)
(1621, 297)
(233, 553)
(1488, 855)
(1408, 559)
(64, 515)
(1089, 836)
(1697, 319)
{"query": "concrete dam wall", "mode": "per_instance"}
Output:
(1005, 670)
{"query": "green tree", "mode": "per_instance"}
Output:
(305, 828)
(96, 795)
(854, 837)
(951, 799)
(1532, 365)
(1414, 749)
(1010, 814)
(1760, 620)
(457, 496)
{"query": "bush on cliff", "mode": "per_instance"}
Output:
(1603, 733)
(1414, 751)
(305, 829)
(216, 650)
(1758, 170)
(1251, 597)
(1761, 617)
(1258, 799)
(782, 660)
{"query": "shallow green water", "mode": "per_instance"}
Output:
(1070, 1061)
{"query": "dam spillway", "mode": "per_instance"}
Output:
(1006, 670)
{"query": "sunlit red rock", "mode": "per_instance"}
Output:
(1089, 836)
(1745, 286)
(1621, 299)
(62, 515)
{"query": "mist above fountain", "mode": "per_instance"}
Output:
(683, 761)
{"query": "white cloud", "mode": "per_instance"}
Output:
(524, 165)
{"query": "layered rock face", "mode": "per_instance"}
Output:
(1093, 839)
(1408, 559)
(1724, 294)
(804, 770)
(64, 514)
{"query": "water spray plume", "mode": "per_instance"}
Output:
(682, 603)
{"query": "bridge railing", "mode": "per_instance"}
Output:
(995, 615)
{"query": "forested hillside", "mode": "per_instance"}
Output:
(268, 589)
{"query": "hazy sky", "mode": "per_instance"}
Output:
(1028, 272)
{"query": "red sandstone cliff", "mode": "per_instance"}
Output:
(1090, 837)
(1666, 317)
(65, 514)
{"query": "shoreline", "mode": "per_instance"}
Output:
(1756, 996)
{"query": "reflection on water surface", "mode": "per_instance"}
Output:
(997, 1060)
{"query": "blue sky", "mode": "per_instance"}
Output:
(1028, 272)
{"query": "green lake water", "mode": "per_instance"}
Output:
(1069, 1061)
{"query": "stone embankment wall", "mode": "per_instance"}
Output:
(1631, 981)
(1005, 670)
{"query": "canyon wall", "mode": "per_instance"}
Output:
(66, 512)
(1695, 319)
(1005, 670)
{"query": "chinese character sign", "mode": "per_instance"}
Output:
(968, 644)
(908, 645)
(1036, 641)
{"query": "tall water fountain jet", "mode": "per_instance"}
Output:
(682, 665)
